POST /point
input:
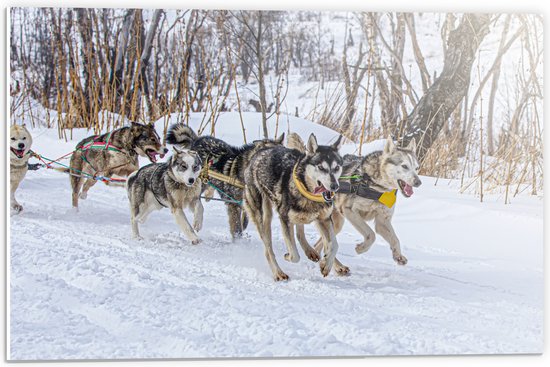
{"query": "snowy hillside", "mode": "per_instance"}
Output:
(80, 287)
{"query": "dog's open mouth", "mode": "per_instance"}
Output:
(321, 189)
(152, 154)
(18, 152)
(406, 189)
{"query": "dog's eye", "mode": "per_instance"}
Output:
(321, 168)
(13, 139)
(24, 138)
(337, 168)
(405, 166)
(195, 167)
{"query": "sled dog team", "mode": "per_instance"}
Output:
(304, 182)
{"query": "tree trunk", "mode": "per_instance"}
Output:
(115, 79)
(494, 86)
(432, 111)
(261, 77)
(145, 55)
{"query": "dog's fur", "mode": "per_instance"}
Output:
(133, 140)
(269, 182)
(20, 145)
(226, 159)
(390, 169)
(174, 185)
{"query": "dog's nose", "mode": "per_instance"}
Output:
(334, 186)
(165, 150)
(191, 181)
(21, 145)
(417, 182)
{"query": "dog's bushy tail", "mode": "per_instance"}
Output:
(294, 141)
(181, 135)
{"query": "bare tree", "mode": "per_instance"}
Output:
(434, 108)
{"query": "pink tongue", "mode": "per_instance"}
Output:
(408, 189)
(319, 189)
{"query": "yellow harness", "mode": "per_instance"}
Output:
(388, 198)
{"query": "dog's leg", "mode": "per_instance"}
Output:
(234, 214)
(338, 222)
(208, 193)
(254, 206)
(308, 250)
(183, 223)
(135, 229)
(330, 244)
(13, 202)
(290, 241)
(382, 225)
(87, 185)
(76, 164)
(363, 228)
(198, 215)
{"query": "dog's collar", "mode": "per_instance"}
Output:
(319, 198)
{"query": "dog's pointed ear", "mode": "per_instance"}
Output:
(177, 150)
(412, 145)
(134, 125)
(390, 146)
(312, 144)
(338, 144)
(280, 139)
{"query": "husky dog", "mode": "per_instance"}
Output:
(20, 149)
(174, 185)
(300, 187)
(225, 159)
(114, 153)
(385, 171)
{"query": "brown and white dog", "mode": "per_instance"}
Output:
(113, 153)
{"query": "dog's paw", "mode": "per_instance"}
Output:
(17, 208)
(292, 259)
(400, 259)
(362, 247)
(197, 226)
(279, 276)
(83, 195)
(325, 268)
(313, 255)
(196, 241)
(138, 238)
(342, 270)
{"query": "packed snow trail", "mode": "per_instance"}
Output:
(81, 287)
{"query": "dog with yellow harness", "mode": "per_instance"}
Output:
(368, 188)
(300, 186)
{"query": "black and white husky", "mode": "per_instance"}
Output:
(175, 185)
(300, 186)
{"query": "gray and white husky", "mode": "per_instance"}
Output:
(175, 185)
(300, 187)
(225, 159)
(385, 171)
(20, 146)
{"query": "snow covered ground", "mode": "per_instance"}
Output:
(80, 287)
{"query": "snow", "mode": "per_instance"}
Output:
(80, 287)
